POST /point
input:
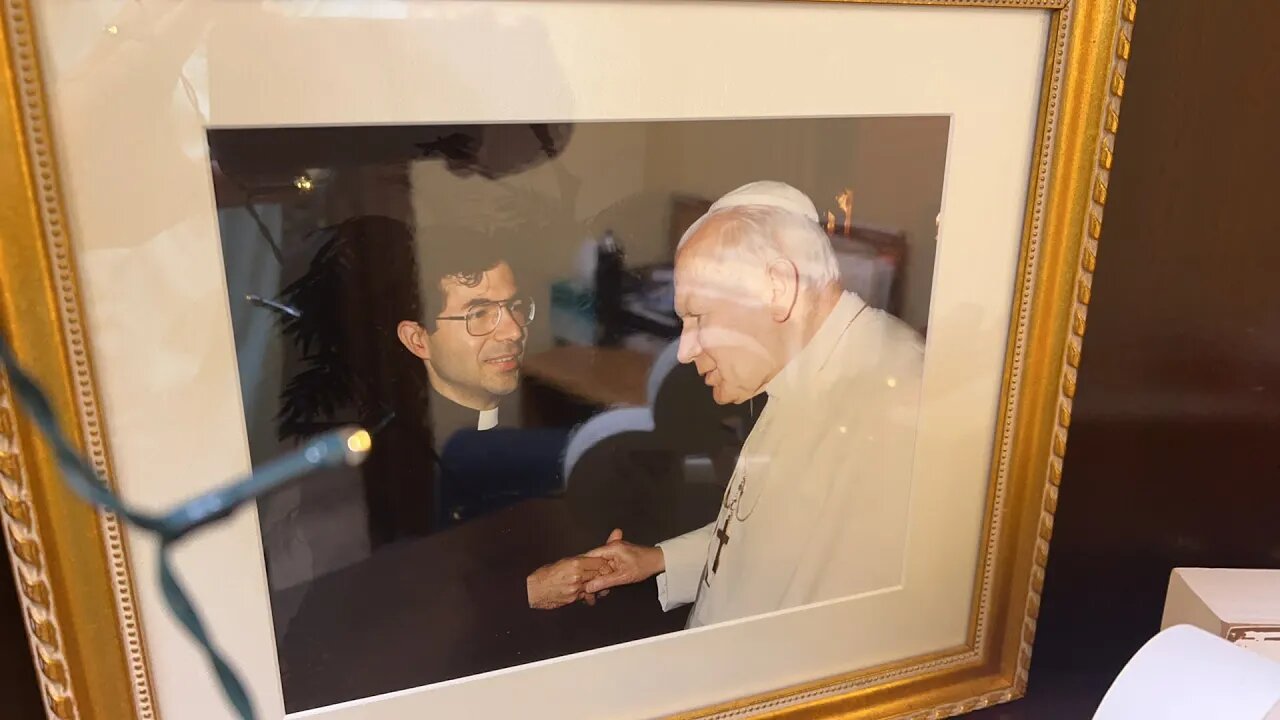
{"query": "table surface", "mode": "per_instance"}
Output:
(450, 605)
(600, 376)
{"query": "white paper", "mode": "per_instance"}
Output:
(1185, 673)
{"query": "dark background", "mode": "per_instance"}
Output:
(19, 689)
(1170, 458)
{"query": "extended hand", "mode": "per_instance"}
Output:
(629, 563)
(561, 582)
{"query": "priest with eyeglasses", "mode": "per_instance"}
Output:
(473, 344)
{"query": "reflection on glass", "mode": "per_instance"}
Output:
(622, 378)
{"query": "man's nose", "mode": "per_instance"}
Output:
(689, 347)
(508, 329)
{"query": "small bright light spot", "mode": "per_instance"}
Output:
(113, 29)
(360, 441)
(303, 183)
(893, 382)
(844, 429)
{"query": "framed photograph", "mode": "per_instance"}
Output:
(718, 357)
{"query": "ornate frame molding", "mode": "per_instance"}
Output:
(1090, 44)
(71, 563)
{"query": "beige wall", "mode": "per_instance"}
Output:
(552, 207)
(897, 169)
(621, 176)
(894, 165)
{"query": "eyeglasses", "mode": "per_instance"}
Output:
(484, 319)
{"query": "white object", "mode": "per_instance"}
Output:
(600, 427)
(768, 193)
(585, 262)
(1240, 605)
(622, 419)
(1185, 673)
(816, 508)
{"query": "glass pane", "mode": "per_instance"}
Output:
(739, 382)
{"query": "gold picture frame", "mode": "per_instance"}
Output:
(71, 563)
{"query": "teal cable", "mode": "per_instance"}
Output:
(345, 446)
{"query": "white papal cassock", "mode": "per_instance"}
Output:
(817, 505)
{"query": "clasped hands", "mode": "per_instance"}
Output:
(590, 575)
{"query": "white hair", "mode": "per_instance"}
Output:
(767, 232)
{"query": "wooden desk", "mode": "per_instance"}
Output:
(596, 376)
(450, 605)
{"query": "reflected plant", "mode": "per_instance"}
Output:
(345, 327)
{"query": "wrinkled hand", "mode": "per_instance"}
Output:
(628, 563)
(561, 583)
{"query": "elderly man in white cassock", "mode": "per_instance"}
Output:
(816, 508)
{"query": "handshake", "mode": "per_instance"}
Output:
(590, 575)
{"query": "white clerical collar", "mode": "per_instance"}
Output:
(488, 419)
(809, 361)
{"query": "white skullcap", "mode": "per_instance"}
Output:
(768, 193)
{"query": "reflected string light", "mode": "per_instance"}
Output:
(359, 442)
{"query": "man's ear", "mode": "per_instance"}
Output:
(784, 288)
(414, 337)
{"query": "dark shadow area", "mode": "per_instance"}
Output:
(21, 685)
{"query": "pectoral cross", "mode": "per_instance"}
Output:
(722, 534)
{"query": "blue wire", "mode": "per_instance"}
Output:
(327, 450)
